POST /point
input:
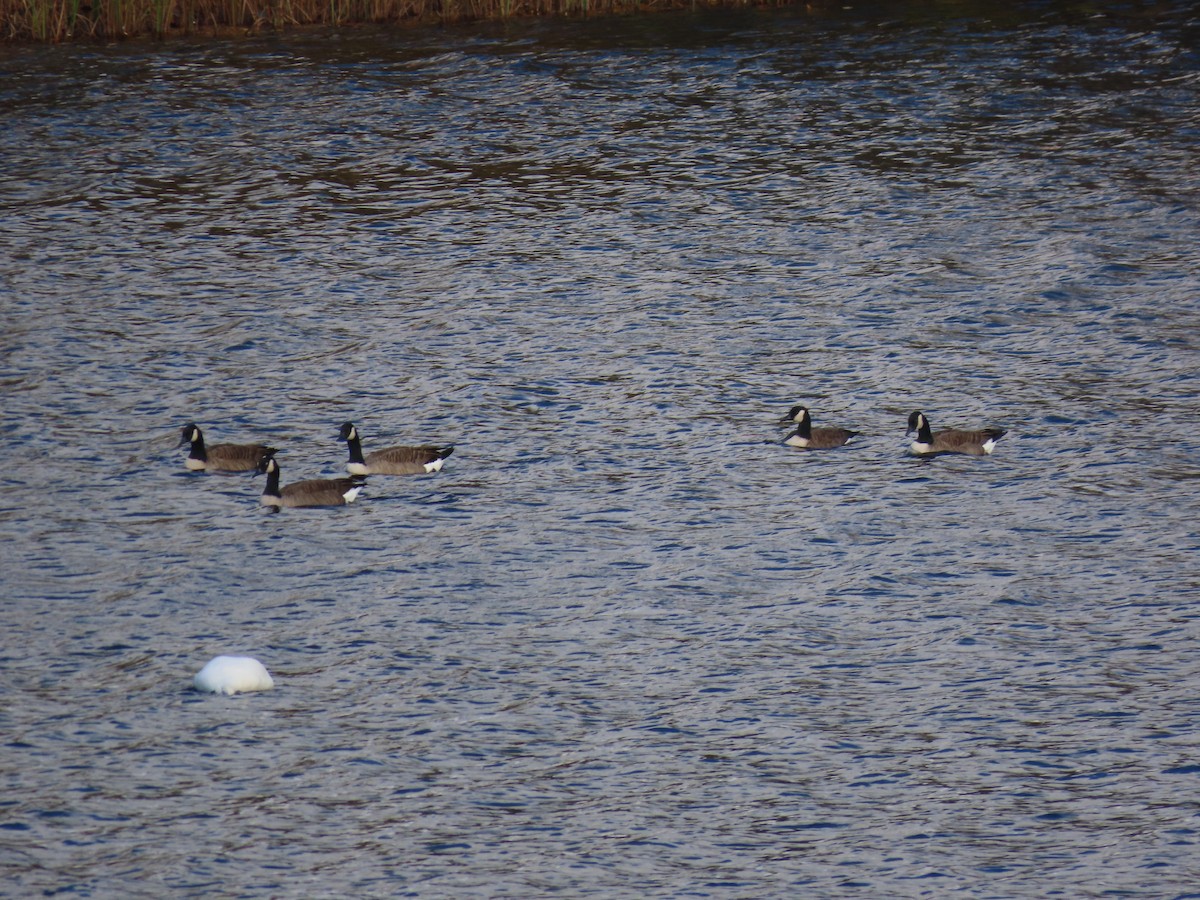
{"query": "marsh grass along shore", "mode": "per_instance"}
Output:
(82, 20)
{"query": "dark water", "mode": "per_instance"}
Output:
(625, 644)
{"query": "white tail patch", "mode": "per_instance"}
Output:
(352, 494)
(436, 465)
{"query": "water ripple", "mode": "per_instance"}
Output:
(625, 643)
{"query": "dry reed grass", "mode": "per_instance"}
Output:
(74, 20)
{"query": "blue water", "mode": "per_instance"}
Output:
(626, 643)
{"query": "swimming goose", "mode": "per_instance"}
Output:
(391, 460)
(233, 675)
(809, 438)
(221, 457)
(314, 492)
(950, 440)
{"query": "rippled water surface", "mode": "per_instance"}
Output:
(625, 644)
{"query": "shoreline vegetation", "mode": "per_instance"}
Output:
(58, 21)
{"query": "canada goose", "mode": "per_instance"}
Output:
(950, 440)
(391, 460)
(221, 457)
(809, 438)
(314, 492)
(233, 675)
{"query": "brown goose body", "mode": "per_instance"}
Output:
(979, 442)
(313, 492)
(808, 438)
(391, 460)
(220, 457)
